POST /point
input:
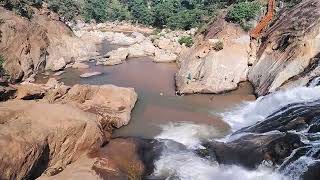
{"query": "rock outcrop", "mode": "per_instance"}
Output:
(120, 159)
(289, 52)
(40, 136)
(215, 67)
(6, 90)
(43, 42)
(46, 135)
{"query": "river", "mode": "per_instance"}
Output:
(183, 123)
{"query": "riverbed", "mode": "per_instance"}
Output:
(158, 103)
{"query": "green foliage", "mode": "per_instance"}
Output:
(1, 64)
(185, 19)
(218, 46)
(156, 31)
(244, 11)
(291, 3)
(187, 40)
(95, 9)
(21, 7)
(117, 11)
(68, 9)
(246, 26)
(141, 13)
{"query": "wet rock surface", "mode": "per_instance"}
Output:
(287, 139)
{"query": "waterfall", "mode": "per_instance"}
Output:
(253, 112)
(184, 164)
(179, 159)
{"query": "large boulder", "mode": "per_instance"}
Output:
(40, 136)
(58, 64)
(136, 50)
(215, 67)
(289, 52)
(123, 40)
(119, 159)
(162, 56)
(274, 147)
(62, 124)
(39, 43)
(113, 104)
(114, 57)
(6, 91)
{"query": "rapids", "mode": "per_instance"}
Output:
(294, 112)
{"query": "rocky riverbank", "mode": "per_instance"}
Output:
(46, 127)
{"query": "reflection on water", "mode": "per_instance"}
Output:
(157, 102)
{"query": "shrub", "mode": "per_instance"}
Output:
(117, 11)
(68, 9)
(246, 26)
(141, 13)
(1, 64)
(244, 11)
(19, 7)
(95, 9)
(218, 46)
(187, 40)
(156, 31)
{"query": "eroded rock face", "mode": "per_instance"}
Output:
(206, 69)
(37, 44)
(48, 134)
(113, 104)
(40, 136)
(289, 53)
(119, 159)
(273, 147)
(6, 91)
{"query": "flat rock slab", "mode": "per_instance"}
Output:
(58, 73)
(86, 75)
(79, 65)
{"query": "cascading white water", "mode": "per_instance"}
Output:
(188, 134)
(184, 164)
(252, 112)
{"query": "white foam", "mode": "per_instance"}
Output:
(186, 165)
(252, 112)
(188, 134)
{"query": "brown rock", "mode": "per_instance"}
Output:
(117, 161)
(289, 51)
(205, 70)
(40, 136)
(79, 65)
(30, 91)
(113, 104)
(39, 43)
(47, 135)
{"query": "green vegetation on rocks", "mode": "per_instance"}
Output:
(1, 64)
(68, 9)
(174, 14)
(244, 11)
(186, 40)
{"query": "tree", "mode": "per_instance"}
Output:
(117, 11)
(95, 9)
(68, 9)
(141, 12)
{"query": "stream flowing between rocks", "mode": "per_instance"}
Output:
(282, 125)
